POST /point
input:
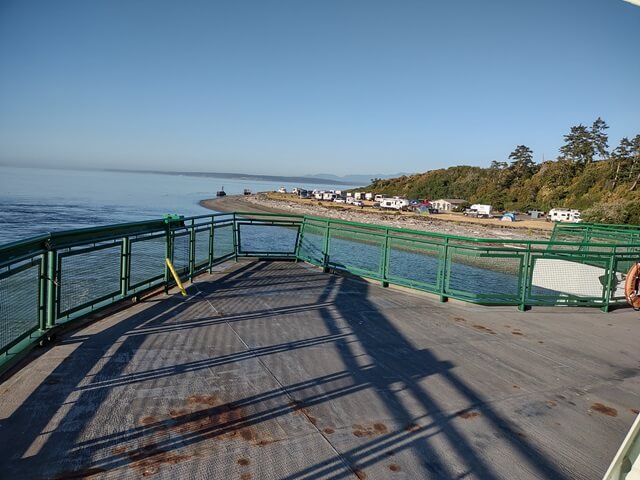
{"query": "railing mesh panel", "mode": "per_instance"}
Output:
(412, 262)
(181, 251)
(492, 278)
(351, 250)
(256, 238)
(558, 279)
(202, 247)
(223, 241)
(18, 304)
(89, 276)
(147, 259)
(311, 244)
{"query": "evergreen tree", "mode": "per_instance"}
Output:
(578, 147)
(599, 139)
(522, 165)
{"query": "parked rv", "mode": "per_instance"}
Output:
(328, 196)
(566, 215)
(395, 203)
(478, 210)
(368, 196)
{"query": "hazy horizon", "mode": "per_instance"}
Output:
(294, 88)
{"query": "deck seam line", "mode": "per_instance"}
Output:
(282, 387)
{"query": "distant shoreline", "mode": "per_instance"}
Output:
(259, 203)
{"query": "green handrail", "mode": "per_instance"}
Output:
(63, 276)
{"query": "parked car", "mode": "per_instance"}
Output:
(358, 203)
(339, 200)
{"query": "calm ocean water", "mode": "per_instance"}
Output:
(34, 201)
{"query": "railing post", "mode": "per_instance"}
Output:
(325, 248)
(609, 280)
(385, 258)
(524, 277)
(300, 237)
(192, 250)
(52, 290)
(211, 239)
(443, 270)
(125, 258)
(42, 294)
(169, 255)
(235, 237)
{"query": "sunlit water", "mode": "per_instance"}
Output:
(35, 201)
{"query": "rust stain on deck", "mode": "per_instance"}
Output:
(604, 409)
(468, 414)
(148, 459)
(482, 328)
(369, 430)
(394, 467)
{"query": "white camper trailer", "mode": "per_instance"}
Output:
(395, 203)
(329, 196)
(358, 196)
(368, 196)
(566, 215)
(478, 210)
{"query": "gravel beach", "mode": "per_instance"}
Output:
(261, 204)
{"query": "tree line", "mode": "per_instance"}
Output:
(586, 175)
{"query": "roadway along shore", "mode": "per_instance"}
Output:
(441, 223)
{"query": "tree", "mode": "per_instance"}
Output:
(522, 164)
(634, 169)
(599, 138)
(578, 147)
(621, 160)
(625, 162)
(583, 144)
(496, 165)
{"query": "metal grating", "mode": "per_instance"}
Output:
(492, 277)
(19, 302)
(257, 238)
(202, 247)
(88, 277)
(311, 244)
(181, 252)
(358, 251)
(414, 263)
(223, 241)
(147, 259)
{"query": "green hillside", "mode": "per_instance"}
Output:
(604, 185)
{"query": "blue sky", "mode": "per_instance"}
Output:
(296, 87)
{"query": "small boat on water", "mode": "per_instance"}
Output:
(221, 192)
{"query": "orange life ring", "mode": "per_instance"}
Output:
(632, 286)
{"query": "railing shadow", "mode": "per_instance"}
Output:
(100, 363)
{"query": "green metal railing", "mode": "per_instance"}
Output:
(53, 279)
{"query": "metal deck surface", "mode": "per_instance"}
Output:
(275, 370)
